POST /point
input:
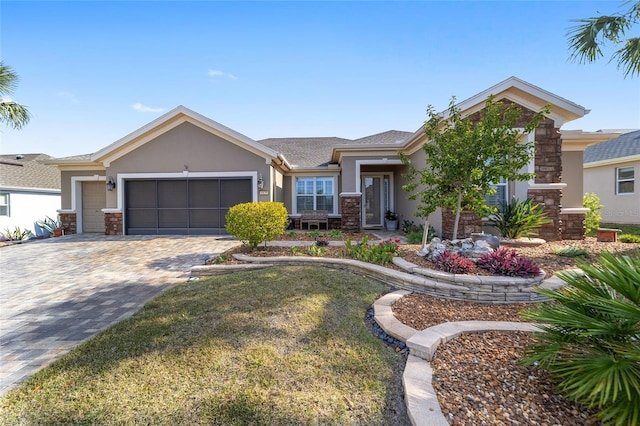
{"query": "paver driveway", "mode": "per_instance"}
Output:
(57, 292)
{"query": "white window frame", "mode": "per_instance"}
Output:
(619, 181)
(6, 205)
(294, 191)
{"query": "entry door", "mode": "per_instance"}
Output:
(94, 199)
(372, 197)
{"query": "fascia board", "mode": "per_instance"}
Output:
(26, 189)
(578, 140)
(611, 161)
(70, 167)
(337, 153)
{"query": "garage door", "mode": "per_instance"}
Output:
(179, 207)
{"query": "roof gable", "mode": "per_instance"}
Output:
(169, 121)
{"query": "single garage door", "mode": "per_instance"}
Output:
(180, 207)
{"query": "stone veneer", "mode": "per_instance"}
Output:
(69, 223)
(350, 210)
(550, 199)
(469, 223)
(573, 226)
(334, 223)
(113, 223)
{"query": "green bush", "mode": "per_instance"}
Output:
(254, 223)
(17, 234)
(628, 238)
(381, 253)
(572, 251)
(335, 233)
(591, 339)
(518, 218)
(591, 201)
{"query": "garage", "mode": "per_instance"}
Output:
(182, 206)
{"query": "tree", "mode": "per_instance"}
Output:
(587, 38)
(464, 158)
(11, 113)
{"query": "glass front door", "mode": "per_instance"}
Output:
(372, 195)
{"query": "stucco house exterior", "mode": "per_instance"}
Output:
(181, 173)
(29, 191)
(612, 171)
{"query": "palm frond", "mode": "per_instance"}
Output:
(14, 115)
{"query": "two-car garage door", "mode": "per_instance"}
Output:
(184, 206)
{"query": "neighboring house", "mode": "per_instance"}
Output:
(182, 172)
(29, 191)
(612, 171)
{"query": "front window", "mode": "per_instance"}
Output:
(315, 193)
(625, 179)
(500, 196)
(4, 204)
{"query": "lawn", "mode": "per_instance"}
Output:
(276, 346)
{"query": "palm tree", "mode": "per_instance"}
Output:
(587, 38)
(11, 113)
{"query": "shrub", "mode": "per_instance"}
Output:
(17, 234)
(315, 233)
(518, 218)
(453, 263)
(322, 242)
(414, 238)
(49, 224)
(571, 251)
(381, 253)
(508, 262)
(315, 250)
(254, 223)
(591, 201)
(591, 345)
(628, 238)
(335, 233)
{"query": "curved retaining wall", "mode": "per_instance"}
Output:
(442, 285)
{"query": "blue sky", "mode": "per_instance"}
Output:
(92, 72)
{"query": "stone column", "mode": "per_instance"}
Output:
(350, 204)
(549, 195)
(469, 223)
(113, 223)
(573, 223)
(69, 223)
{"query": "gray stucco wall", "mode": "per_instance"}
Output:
(65, 184)
(189, 145)
(572, 176)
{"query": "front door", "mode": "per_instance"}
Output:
(372, 201)
(93, 201)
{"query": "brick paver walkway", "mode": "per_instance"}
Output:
(56, 293)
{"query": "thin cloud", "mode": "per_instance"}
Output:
(143, 108)
(68, 96)
(218, 73)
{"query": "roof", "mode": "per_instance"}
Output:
(304, 153)
(625, 145)
(28, 171)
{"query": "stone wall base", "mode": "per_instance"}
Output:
(334, 223)
(69, 223)
(550, 199)
(350, 209)
(113, 223)
(573, 227)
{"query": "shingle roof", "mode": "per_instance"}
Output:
(623, 146)
(316, 152)
(27, 171)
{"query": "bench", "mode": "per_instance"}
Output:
(608, 235)
(314, 218)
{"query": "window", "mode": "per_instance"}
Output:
(500, 196)
(625, 177)
(4, 204)
(315, 193)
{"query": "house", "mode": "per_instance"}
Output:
(29, 191)
(181, 173)
(611, 170)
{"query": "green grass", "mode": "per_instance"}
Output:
(276, 346)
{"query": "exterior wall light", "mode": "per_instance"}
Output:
(111, 183)
(260, 182)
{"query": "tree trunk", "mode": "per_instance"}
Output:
(457, 220)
